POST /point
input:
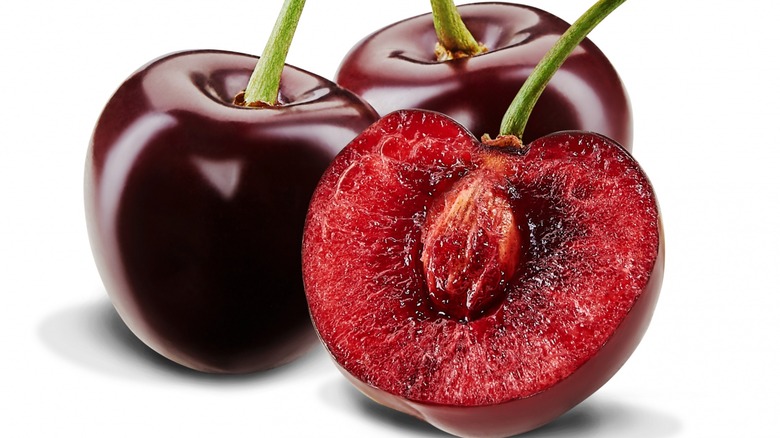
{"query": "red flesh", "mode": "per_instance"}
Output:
(591, 251)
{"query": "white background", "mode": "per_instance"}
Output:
(703, 80)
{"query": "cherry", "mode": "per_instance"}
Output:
(196, 204)
(397, 67)
(485, 286)
(484, 290)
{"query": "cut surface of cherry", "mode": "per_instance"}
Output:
(484, 290)
(396, 68)
(196, 206)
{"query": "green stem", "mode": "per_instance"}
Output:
(516, 117)
(264, 83)
(454, 37)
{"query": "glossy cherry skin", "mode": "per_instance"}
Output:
(395, 68)
(195, 206)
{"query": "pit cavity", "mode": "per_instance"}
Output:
(471, 248)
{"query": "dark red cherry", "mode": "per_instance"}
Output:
(195, 206)
(396, 68)
(485, 290)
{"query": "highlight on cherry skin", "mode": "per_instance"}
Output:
(484, 290)
(195, 206)
(397, 68)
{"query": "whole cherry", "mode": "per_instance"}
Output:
(470, 70)
(195, 203)
(485, 286)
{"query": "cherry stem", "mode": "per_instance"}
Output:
(516, 117)
(264, 83)
(454, 37)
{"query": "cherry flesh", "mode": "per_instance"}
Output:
(396, 68)
(484, 290)
(196, 206)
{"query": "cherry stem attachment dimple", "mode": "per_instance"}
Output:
(516, 117)
(455, 39)
(263, 86)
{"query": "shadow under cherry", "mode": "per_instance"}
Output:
(597, 417)
(93, 335)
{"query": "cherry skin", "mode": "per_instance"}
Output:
(396, 68)
(485, 290)
(195, 206)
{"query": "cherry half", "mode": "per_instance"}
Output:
(397, 68)
(484, 286)
(195, 206)
(484, 290)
